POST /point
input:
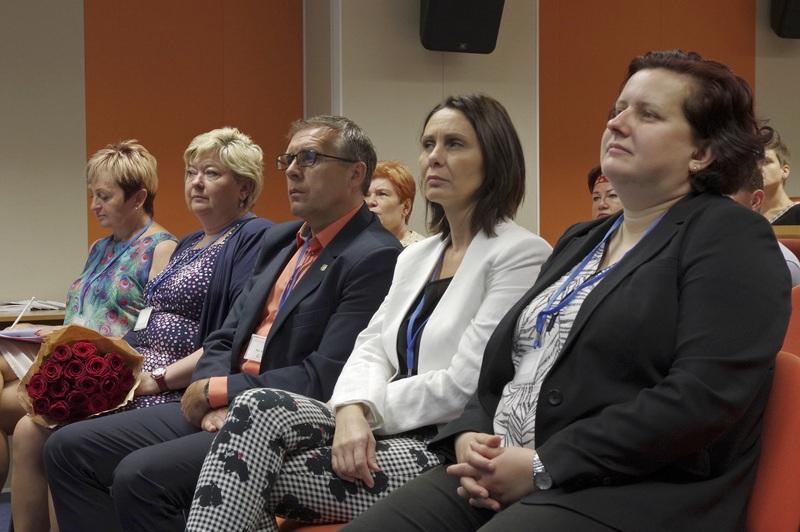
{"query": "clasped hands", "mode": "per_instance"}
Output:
(491, 476)
(197, 411)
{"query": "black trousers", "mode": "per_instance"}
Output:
(130, 471)
(429, 503)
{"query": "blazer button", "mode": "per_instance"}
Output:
(554, 397)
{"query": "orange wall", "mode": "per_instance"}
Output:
(584, 50)
(164, 71)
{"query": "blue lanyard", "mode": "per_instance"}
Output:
(412, 333)
(88, 283)
(551, 309)
(180, 262)
(295, 277)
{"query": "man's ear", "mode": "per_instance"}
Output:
(756, 200)
(785, 171)
(358, 175)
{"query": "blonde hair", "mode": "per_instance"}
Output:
(236, 151)
(130, 165)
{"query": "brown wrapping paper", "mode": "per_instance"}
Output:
(69, 335)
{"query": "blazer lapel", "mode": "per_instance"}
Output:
(319, 269)
(647, 248)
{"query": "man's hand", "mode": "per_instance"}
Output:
(214, 419)
(353, 452)
(194, 404)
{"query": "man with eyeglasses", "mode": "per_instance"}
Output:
(315, 286)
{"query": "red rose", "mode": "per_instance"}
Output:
(97, 366)
(36, 386)
(87, 384)
(83, 349)
(78, 401)
(59, 411)
(110, 385)
(51, 371)
(41, 406)
(116, 361)
(126, 381)
(58, 388)
(74, 369)
(62, 353)
(97, 403)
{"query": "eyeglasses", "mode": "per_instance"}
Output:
(305, 158)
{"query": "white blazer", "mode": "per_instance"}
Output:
(494, 273)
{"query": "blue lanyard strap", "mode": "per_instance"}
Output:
(552, 309)
(89, 282)
(186, 258)
(413, 333)
(295, 277)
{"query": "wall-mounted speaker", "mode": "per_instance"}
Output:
(784, 17)
(469, 26)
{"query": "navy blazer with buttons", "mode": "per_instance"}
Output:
(650, 417)
(315, 329)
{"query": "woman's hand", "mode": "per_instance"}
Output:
(473, 466)
(147, 385)
(353, 453)
(492, 476)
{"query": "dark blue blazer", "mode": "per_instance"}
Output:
(314, 331)
(650, 418)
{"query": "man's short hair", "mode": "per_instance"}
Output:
(351, 141)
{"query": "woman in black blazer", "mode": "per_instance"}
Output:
(625, 390)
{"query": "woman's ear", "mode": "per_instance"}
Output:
(701, 158)
(139, 197)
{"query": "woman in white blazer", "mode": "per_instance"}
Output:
(415, 365)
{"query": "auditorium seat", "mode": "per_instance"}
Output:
(791, 342)
(793, 244)
(775, 503)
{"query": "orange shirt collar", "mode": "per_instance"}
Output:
(323, 238)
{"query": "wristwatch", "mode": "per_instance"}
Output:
(541, 478)
(160, 376)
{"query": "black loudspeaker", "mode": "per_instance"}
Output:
(784, 17)
(460, 25)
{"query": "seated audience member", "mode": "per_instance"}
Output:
(625, 390)
(315, 286)
(183, 304)
(391, 197)
(605, 201)
(751, 195)
(778, 207)
(416, 364)
(108, 295)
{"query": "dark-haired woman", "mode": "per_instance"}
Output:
(625, 390)
(414, 366)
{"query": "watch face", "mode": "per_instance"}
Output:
(543, 480)
(158, 373)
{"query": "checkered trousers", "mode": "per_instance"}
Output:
(273, 457)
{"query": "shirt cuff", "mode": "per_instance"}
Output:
(218, 392)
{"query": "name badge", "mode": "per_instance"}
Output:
(255, 348)
(143, 319)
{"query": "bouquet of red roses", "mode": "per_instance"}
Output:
(77, 374)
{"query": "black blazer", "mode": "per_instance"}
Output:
(314, 332)
(650, 417)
